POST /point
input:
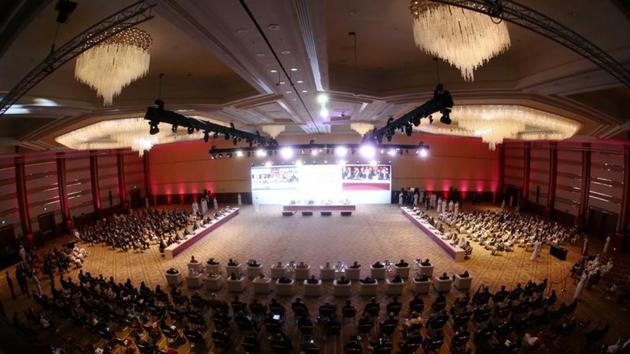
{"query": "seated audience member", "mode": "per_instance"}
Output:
(402, 263)
(368, 280)
(355, 265)
(378, 264)
(284, 280)
(426, 262)
(444, 276)
(343, 280)
(312, 280)
(397, 279)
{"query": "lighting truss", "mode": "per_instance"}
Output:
(305, 149)
(120, 21)
(547, 27)
(441, 102)
(157, 114)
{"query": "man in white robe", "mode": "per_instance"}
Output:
(195, 207)
(536, 251)
(581, 284)
(606, 245)
(215, 203)
(204, 206)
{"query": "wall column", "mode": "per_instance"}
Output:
(585, 188)
(146, 158)
(63, 192)
(553, 173)
(122, 185)
(622, 220)
(501, 182)
(526, 156)
(96, 192)
(20, 184)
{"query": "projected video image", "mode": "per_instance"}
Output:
(281, 177)
(366, 173)
(360, 184)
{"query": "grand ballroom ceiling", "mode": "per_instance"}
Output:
(224, 60)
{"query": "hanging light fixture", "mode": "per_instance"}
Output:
(463, 38)
(126, 133)
(114, 63)
(494, 123)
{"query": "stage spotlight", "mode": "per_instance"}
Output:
(239, 153)
(287, 153)
(367, 151)
(153, 128)
(341, 151)
(446, 116)
(215, 135)
(174, 128)
(423, 152)
(261, 153)
(391, 152)
(430, 119)
(416, 120)
(268, 163)
(322, 98)
(298, 162)
(408, 129)
(227, 136)
(206, 136)
(235, 141)
(314, 152)
(190, 130)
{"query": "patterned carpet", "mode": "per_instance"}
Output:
(372, 233)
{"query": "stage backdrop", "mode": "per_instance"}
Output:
(321, 184)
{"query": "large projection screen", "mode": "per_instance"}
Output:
(321, 184)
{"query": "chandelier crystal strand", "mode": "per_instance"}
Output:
(464, 39)
(115, 63)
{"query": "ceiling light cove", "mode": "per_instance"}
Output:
(494, 123)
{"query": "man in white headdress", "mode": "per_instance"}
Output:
(456, 210)
(606, 245)
(438, 205)
(204, 205)
(581, 285)
(240, 199)
(433, 200)
(195, 207)
(503, 204)
(536, 251)
(450, 205)
(215, 203)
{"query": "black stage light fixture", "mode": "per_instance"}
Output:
(65, 8)
(235, 141)
(408, 129)
(191, 130)
(446, 116)
(153, 127)
(227, 136)
(430, 119)
(174, 128)
(206, 136)
(215, 135)
(416, 120)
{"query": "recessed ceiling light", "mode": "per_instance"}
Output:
(294, 69)
(273, 71)
(304, 91)
(282, 82)
(288, 92)
(300, 81)
(260, 55)
(285, 52)
(242, 31)
(273, 27)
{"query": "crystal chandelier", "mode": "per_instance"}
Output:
(114, 63)
(465, 39)
(125, 133)
(494, 123)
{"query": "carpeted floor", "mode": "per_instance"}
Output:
(372, 233)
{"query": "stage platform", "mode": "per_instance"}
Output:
(173, 250)
(318, 207)
(454, 252)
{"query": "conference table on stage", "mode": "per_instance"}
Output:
(178, 247)
(318, 207)
(456, 252)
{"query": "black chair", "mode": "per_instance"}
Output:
(221, 339)
(349, 311)
(251, 345)
(305, 325)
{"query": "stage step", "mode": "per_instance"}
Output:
(307, 213)
(287, 213)
(346, 213)
(326, 213)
